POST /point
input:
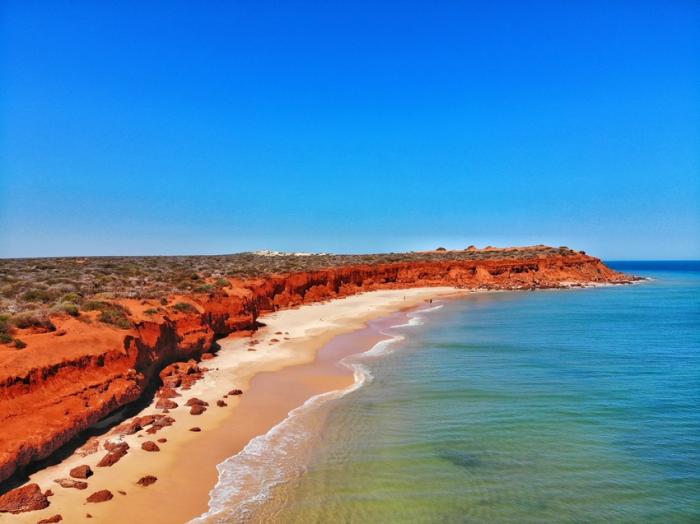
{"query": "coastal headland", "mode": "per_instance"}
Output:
(117, 371)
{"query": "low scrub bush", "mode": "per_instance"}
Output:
(67, 308)
(109, 313)
(34, 318)
(184, 307)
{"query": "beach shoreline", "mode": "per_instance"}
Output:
(276, 378)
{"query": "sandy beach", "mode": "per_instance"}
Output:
(283, 372)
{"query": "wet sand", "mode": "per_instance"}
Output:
(276, 378)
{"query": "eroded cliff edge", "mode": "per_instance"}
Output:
(66, 380)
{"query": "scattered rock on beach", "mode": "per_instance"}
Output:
(167, 392)
(207, 356)
(25, 498)
(116, 452)
(221, 403)
(194, 401)
(149, 445)
(90, 447)
(252, 349)
(166, 403)
(162, 440)
(48, 493)
(196, 429)
(147, 480)
(51, 520)
(100, 496)
(121, 492)
(235, 392)
(81, 472)
(129, 428)
(197, 409)
(71, 483)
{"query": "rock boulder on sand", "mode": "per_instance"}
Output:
(116, 452)
(221, 403)
(147, 480)
(235, 392)
(71, 483)
(166, 403)
(51, 520)
(81, 472)
(149, 445)
(25, 498)
(100, 496)
(197, 409)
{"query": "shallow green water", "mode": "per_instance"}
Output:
(567, 406)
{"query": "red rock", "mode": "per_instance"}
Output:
(100, 496)
(25, 498)
(48, 493)
(165, 403)
(162, 440)
(196, 402)
(234, 392)
(147, 480)
(121, 492)
(221, 403)
(81, 472)
(150, 446)
(197, 409)
(51, 520)
(90, 447)
(207, 356)
(167, 392)
(117, 451)
(88, 516)
(70, 483)
(128, 428)
(196, 429)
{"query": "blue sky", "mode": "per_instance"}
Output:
(216, 127)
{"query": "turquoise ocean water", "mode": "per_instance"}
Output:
(549, 406)
(518, 407)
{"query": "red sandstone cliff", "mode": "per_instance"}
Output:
(65, 381)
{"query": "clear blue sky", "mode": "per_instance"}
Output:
(214, 127)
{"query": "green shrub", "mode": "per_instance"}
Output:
(185, 307)
(20, 344)
(109, 313)
(39, 295)
(71, 297)
(222, 282)
(65, 307)
(34, 318)
(151, 311)
(4, 323)
(5, 338)
(207, 288)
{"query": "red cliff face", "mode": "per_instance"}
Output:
(60, 385)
